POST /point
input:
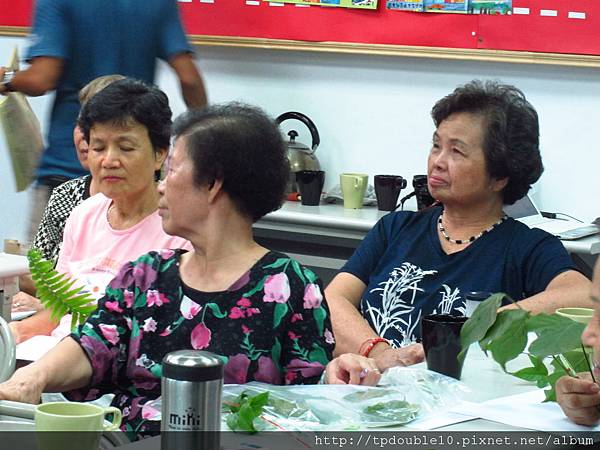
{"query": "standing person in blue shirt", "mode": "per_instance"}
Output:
(73, 42)
(485, 154)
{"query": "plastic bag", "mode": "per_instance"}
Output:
(22, 133)
(404, 395)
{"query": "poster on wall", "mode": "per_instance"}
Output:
(359, 4)
(453, 6)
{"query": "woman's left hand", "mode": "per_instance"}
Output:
(350, 368)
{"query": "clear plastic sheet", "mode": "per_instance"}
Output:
(404, 394)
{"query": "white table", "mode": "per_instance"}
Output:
(11, 267)
(488, 381)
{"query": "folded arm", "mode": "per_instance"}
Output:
(351, 329)
(63, 368)
(40, 323)
(568, 289)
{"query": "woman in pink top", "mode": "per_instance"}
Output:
(127, 128)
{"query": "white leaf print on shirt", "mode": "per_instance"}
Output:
(449, 297)
(404, 280)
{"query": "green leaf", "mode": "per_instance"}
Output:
(552, 379)
(156, 370)
(479, 323)
(532, 374)
(298, 270)
(164, 267)
(232, 421)
(244, 410)
(319, 314)
(555, 334)
(276, 354)
(538, 373)
(256, 288)
(141, 300)
(310, 275)
(281, 310)
(278, 263)
(577, 359)
(216, 311)
(507, 338)
(318, 354)
(55, 291)
(135, 327)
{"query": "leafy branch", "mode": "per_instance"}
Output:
(505, 334)
(244, 410)
(55, 290)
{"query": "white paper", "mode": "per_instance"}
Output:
(442, 420)
(524, 410)
(36, 347)
(18, 315)
(523, 11)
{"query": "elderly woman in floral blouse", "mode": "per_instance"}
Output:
(263, 313)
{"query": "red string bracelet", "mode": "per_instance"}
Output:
(370, 344)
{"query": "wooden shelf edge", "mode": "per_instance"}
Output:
(504, 56)
(402, 50)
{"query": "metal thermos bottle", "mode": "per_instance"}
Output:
(191, 400)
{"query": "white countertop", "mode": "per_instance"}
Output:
(330, 215)
(355, 223)
(13, 265)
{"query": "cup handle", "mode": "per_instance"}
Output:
(116, 420)
(356, 183)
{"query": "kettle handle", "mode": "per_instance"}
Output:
(306, 121)
(8, 360)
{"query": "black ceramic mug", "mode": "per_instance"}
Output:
(310, 184)
(440, 335)
(424, 198)
(387, 190)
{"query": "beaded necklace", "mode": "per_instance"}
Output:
(472, 238)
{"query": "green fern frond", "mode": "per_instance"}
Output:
(55, 290)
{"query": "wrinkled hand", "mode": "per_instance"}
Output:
(352, 369)
(405, 356)
(24, 386)
(579, 398)
(25, 302)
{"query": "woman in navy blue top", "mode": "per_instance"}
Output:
(485, 154)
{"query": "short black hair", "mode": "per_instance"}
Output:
(511, 137)
(127, 99)
(242, 146)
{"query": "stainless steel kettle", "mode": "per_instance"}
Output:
(301, 156)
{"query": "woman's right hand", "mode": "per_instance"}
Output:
(579, 399)
(392, 357)
(24, 386)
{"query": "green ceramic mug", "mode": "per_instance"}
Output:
(61, 425)
(354, 186)
(581, 315)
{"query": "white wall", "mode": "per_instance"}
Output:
(373, 114)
